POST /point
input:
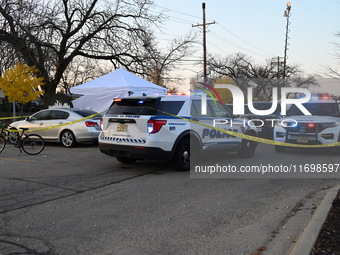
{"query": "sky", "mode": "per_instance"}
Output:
(258, 29)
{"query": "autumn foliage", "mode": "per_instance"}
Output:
(20, 83)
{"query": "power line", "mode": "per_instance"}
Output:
(172, 10)
(250, 44)
(183, 21)
(218, 47)
(236, 45)
(266, 52)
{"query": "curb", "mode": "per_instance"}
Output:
(306, 241)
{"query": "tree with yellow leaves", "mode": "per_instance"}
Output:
(225, 94)
(20, 84)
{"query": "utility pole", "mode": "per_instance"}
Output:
(204, 24)
(277, 61)
(287, 15)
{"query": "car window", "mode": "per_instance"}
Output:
(134, 107)
(44, 115)
(171, 107)
(196, 109)
(219, 110)
(59, 115)
(85, 113)
(145, 107)
(230, 107)
(193, 110)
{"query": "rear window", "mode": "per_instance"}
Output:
(86, 113)
(145, 107)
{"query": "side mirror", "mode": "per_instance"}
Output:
(28, 119)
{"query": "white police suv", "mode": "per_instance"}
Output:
(322, 127)
(170, 128)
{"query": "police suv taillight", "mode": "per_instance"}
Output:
(155, 125)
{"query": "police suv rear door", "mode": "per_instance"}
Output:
(216, 116)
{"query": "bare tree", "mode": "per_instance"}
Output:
(81, 70)
(8, 58)
(261, 77)
(158, 63)
(50, 34)
(331, 71)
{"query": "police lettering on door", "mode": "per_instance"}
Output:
(213, 133)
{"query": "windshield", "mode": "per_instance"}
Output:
(323, 109)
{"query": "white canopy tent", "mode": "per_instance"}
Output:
(99, 93)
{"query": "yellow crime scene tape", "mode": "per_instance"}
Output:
(254, 138)
(248, 137)
(56, 126)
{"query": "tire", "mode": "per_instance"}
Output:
(248, 148)
(33, 144)
(13, 136)
(279, 148)
(126, 160)
(2, 143)
(182, 157)
(68, 139)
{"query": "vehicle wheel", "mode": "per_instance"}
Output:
(126, 160)
(33, 144)
(247, 148)
(279, 148)
(182, 155)
(68, 139)
(13, 136)
(2, 143)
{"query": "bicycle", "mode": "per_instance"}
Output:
(9, 134)
(31, 144)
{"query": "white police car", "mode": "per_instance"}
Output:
(170, 128)
(322, 127)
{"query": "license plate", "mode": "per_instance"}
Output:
(302, 139)
(122, 127)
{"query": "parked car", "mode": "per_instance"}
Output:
(68, 134)
(322, 127)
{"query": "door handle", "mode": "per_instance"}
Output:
(197, 120)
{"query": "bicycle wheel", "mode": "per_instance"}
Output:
(2, 143)
(33, 144)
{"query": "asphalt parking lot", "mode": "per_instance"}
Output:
(79, 201)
